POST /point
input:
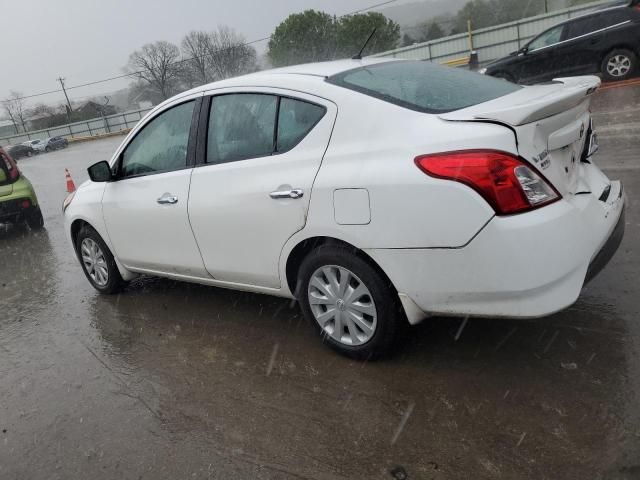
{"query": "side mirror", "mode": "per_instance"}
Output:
(100, 172)
(523, 51)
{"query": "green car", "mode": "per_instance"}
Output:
(18, 201)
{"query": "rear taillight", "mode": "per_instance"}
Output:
(11, 169)
(507, 183)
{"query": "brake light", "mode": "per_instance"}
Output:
(11, 169)
(507, 183)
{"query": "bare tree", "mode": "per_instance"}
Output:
(229, 54)
(15, 108)
(196, 47)
(157, 64)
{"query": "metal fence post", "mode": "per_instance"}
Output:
(89, 127)
(518, 33)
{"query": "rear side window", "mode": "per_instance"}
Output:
(593, 23)
(295, 120)
(423, 86)
(241, 126)
(250, 125)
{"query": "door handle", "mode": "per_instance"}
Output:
(167, 199)
(293, 193)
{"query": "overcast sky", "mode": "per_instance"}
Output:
(87, 40)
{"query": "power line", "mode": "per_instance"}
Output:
(133, 74)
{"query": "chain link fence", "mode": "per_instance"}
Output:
(87, 128)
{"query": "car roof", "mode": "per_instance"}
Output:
(324, 69)
(598, 11)
(307, 71)
(308, 77)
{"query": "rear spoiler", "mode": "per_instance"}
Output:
(531, 103)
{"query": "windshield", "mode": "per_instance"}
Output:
(423, 86)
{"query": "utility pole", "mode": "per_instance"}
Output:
(69, 109)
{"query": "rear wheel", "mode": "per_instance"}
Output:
(353, 307)
(618, 64)
(34, 219)
(47, 149)
(97, 262)
(29, 153)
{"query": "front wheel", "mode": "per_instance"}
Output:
(619, 64)
(97, 262)
(353, 306)
(47, 149)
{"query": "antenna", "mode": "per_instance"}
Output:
(359, 55)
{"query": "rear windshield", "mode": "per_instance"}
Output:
(424, 86)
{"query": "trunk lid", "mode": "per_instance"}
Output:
(551, 123)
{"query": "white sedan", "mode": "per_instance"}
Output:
(38, 145)
(374, 192)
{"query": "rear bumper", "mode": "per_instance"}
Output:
(607, 251)
(528, 265)
(12, 211)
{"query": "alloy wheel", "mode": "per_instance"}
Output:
(618, 65)
(94, 262)
(342, 305)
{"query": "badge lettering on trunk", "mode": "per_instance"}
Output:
(542, 159)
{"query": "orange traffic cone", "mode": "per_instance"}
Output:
(71, 187)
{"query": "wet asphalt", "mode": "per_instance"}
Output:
(171, 380)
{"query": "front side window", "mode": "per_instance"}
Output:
(295, 119)
(547, 38)
(161, 145)
(241, 126)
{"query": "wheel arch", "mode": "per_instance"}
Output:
(620, 46)
(76, 226)
(305, 246)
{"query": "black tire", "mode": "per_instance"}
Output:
(47, 149)
(114, 283)
(34, 219)
(29, 153)
(505, 76)
(627, 57)
(384, 297)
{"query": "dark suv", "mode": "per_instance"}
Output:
(605, 41)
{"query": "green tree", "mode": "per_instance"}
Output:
(314, 36)
(309, 36)
(434, 31)
(353, 31)
(407, 40)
